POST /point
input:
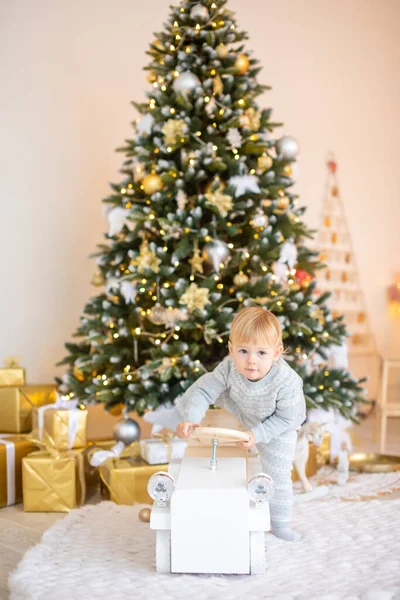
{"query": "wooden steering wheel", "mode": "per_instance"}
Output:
(205, 435)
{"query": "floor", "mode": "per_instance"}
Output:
(19, 530)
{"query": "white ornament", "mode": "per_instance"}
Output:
(287, 147)
(181, 199)
(279, 270)
(116, 220)
(145, 124)
(199, 13)
(260, 219)
(243, 184)
(288, 254)
(211, 106)
(128, 291)
(186, 82)
(112, 285)
(216, 252)
(234, 137)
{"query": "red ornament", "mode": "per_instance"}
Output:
(332, 165)
(303, 278)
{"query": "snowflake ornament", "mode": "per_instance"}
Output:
(243, 184)
(234, 137)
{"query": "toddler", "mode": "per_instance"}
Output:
(257, 386)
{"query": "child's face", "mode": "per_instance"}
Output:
(253, 361)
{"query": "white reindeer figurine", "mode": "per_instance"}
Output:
(310, 432)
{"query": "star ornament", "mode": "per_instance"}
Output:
(195, 297)
(222, 201)
(148, 259)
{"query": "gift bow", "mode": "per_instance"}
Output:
(10, 465)
(12, 362)
(73, 421)
(99, 457)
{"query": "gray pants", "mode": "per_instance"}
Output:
(277, 461)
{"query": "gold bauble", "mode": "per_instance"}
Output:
(222, 51)
(78, 374)
(151, 77)
(264, 162)
(242, 63)
(144, 515)
(97, 279)
(287, 170)
(283, 202)
(152, 183)
(266, 202)
(240, 279)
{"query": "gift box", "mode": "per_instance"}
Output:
(158, 451)
(125, 478)
(53, 480)
(17, 404)
(12, 374)
(13, 448)
(66, 427)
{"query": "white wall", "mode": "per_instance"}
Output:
(68, 73)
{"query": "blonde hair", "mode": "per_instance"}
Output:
(255, 324)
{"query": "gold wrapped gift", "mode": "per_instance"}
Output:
(126, 477)
(53, 480)
(12, 450)
(16, 405)
(67, 428)
(12, 373)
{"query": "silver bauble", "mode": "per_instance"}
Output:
(287, 147)
(199, 13)
(186, 82)
(157, 314)
(127, 431)
(260, 220)
(216, 252)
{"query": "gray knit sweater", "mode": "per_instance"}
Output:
(268, 407)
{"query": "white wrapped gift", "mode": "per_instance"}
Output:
(157, 451)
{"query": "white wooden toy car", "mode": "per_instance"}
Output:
(210, 513)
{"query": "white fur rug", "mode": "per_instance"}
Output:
(349, 551)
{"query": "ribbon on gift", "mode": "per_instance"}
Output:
(12, 455)
(166, 437)
(59, 404)
(99, 456)
(10, 465)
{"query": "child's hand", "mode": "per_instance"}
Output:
(250, 443)
(183, 429)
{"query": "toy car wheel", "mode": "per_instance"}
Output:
(257, 552)
(163, 551)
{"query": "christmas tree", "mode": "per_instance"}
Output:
(202, 222)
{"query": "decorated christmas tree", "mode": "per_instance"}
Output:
(202, 221)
